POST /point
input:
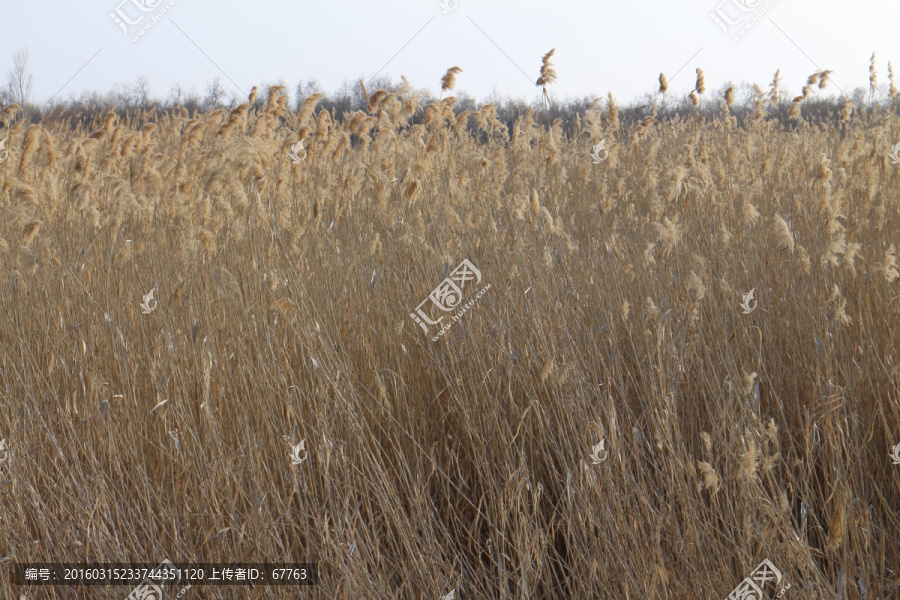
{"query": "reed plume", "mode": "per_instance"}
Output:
(873, 76)
(700, 86)
(548, 75)
(448, 81)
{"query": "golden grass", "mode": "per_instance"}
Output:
(284, 294)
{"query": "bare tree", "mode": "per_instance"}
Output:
(342, 100)
(214, 95)
(140, 92)
(18, 82)
(307, 88)
(177, 94)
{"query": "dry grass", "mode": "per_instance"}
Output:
(284, 297)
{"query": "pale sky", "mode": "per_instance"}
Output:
(600, 46)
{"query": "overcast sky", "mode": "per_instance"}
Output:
(600, 46)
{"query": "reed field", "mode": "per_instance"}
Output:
(285, 293)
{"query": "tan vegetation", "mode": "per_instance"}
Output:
(284, 300)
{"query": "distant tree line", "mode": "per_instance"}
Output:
(351, 97)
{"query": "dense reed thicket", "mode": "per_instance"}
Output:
(284, 293)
